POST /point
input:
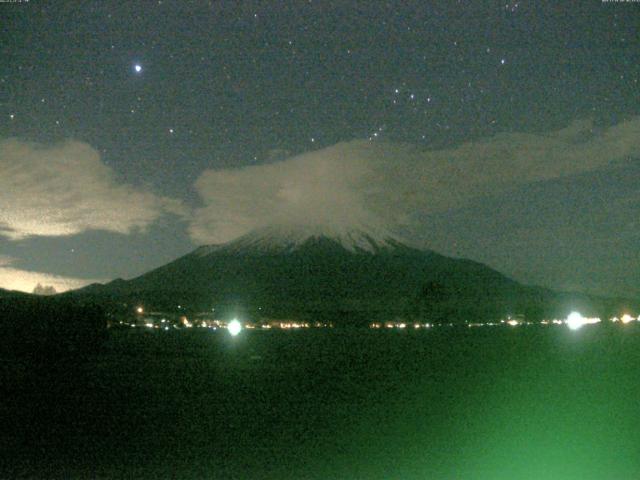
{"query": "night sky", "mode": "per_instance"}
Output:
(508, 133)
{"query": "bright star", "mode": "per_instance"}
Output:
(137, 67)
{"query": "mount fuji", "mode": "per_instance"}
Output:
(349, 274)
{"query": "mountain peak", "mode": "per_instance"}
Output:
(286, 239)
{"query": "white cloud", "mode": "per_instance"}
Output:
(390, 186)
(12, 278)
(65, 189)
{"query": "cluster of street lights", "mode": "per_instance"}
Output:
(574, 321)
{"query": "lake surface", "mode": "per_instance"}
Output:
(491, 403)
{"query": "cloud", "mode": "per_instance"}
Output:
(392, 186)
(12, 278)
(65, 189)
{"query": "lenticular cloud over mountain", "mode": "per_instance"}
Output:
(322, 188)
(386, 187)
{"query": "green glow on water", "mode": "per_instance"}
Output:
(514, 403)
(565, 408)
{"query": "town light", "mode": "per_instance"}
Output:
(626, 318)
(575, 321)
(234, 327)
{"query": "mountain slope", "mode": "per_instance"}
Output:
(352, 274)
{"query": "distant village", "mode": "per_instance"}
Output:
(172, 321)
(207, 320)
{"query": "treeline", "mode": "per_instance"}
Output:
(47, 327)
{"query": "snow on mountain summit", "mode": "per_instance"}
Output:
(284, 239)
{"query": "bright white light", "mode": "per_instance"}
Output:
(575, 321)
(137, 67)
(626, 318)
(234, 327)
(513, 323)
(140, 310)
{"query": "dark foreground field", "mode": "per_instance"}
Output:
(453, 403)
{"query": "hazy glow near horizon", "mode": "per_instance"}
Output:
(25, 280)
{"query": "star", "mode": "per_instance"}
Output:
(138, 68)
